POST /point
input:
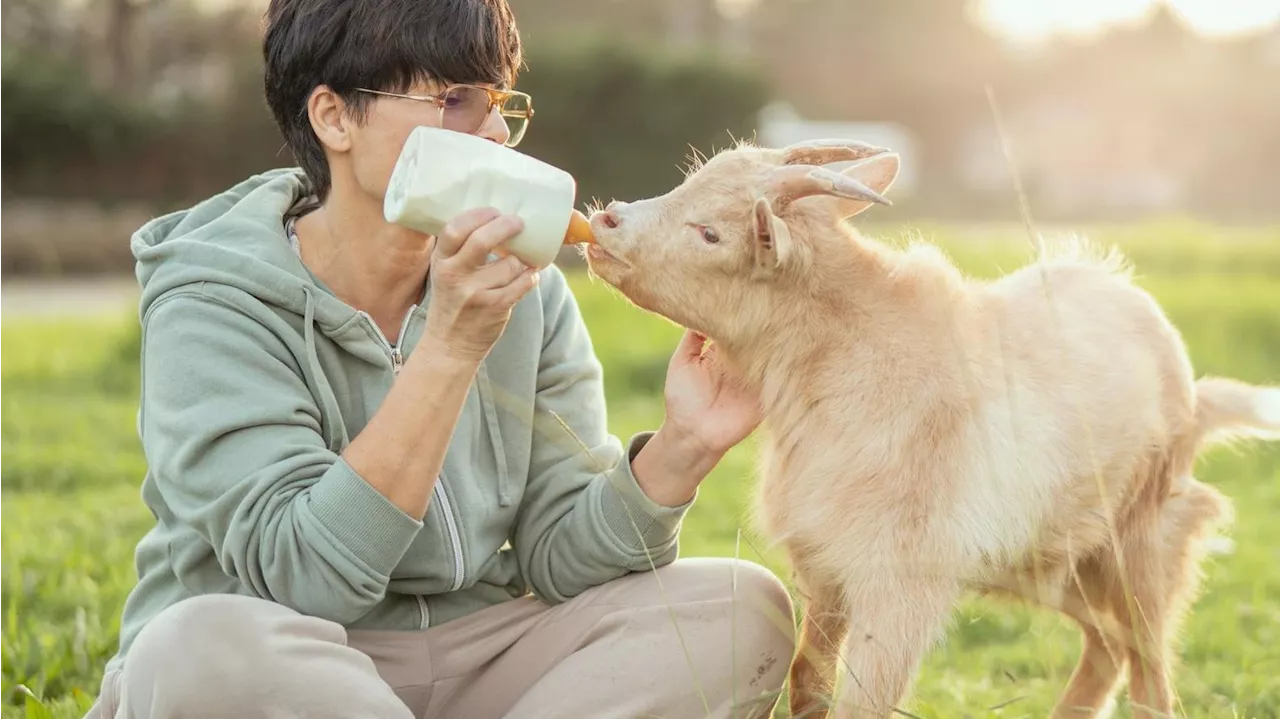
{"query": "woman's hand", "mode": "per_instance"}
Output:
(703, 402)
(472, 298)
(708, 413)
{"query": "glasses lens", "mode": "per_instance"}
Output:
(516, 113)
(465, 108)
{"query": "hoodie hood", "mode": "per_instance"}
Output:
(237, 238)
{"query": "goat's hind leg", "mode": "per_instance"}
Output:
(1160, 576)
(1140, 604)
(1104, 652)
(1096, 677)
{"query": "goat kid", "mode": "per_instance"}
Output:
(927, 433)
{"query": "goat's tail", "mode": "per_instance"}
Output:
(1227, 409)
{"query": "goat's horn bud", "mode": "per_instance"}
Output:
(825, 151)
(796, 181)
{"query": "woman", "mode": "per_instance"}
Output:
(368, 448)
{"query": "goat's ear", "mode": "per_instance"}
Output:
(877, 173)
(771, 238)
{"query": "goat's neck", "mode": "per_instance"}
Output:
(853, 324)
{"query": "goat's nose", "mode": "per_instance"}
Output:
(610, 217)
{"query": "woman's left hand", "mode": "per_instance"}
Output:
(703, 401)
(707, 415)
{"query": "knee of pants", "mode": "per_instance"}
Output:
(207, 650)
(763, 614)
(760, 613)
(756, 592)
(758, 623)
(764, 595)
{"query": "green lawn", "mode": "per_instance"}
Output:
(71, 469)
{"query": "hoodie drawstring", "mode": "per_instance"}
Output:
(336, 434)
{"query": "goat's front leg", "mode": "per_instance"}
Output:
(822, 629)
(893, 622)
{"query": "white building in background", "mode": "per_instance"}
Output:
(1072, 158)
(779, 125)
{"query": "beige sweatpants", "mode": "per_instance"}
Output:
(681, 642)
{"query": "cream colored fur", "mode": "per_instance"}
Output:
(926, 433)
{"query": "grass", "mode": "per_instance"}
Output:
(71, 468)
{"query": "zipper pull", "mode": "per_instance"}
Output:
(397, 360)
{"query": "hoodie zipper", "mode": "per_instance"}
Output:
(459, 568)
(423, 612)
(397, 356)
(446, 508)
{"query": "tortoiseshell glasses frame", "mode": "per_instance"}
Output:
(465, 107)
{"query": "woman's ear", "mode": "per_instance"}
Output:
(328, 114)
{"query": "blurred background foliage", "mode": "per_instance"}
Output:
(115, 110)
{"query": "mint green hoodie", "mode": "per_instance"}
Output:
(254, 379)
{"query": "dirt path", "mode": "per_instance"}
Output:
(90, 296)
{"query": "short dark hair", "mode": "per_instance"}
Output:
(380, 45)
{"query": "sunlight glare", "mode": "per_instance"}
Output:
(1037, 19)
(1029, 19)
(1227, 17)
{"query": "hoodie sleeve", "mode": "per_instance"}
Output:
(233, 442)
(584, 519)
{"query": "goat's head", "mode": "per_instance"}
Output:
(739, 233)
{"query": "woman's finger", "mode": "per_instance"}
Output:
(691, 344)
(476, 249)
(460, 228)
(499, 273)
(515, 290)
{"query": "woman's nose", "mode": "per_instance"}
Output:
(495, 128)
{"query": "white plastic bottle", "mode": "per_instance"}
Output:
(441, 173)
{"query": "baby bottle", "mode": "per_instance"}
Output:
(441, 173)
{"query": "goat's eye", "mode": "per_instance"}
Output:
(709, 235)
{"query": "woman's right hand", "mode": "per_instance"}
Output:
(471, 298)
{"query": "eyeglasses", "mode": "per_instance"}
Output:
(464, 108)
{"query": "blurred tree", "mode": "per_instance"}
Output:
(624, 118)
(670, 23)
(162, 99)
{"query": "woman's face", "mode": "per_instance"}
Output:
(376, 141)
(364, 151)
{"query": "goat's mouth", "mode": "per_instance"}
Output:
(596, 253)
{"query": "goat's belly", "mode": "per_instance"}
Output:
(1039, 518)
(997, 519)
(1013, 496)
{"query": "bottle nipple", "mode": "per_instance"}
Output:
(579, 231)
